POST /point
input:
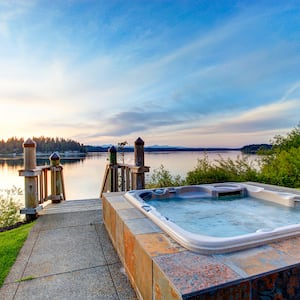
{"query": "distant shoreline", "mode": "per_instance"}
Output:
(103, 150)
(249, 149)
(163, 149)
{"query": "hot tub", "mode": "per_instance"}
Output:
(219, 218)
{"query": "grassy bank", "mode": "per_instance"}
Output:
(10, 244)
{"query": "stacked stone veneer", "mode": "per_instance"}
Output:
(159, 268)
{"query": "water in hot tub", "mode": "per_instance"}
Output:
(225, 217)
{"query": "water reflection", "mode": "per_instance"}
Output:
(11, 162)
(63, 161)
(19, 162)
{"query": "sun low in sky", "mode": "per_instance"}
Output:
(191, 73)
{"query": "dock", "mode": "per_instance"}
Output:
(68, 255)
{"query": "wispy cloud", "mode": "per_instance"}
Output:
(276, 115)
(292, 92)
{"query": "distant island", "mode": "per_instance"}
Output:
(68, 147)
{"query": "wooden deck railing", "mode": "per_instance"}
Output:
(41, 179)
(117, 177)
(37, 178)
(120, 177)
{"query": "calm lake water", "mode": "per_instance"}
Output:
(83, 176)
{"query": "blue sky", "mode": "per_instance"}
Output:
(192, 73)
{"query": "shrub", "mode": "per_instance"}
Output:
(205, 172)
(10, 207)
(281, 164)
(163, 178)
(222, 170)
(282, 168)
(291, 140)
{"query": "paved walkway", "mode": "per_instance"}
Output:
(68, 255)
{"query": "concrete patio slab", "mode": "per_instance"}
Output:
(68, 255)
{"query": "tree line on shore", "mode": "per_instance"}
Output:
(14, 145)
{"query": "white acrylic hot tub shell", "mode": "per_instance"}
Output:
(207, 244)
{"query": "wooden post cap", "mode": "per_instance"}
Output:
(29, 143)
(54, 156)
(139, 141)
(112, 149)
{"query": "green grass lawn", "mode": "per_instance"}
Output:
(10, 244)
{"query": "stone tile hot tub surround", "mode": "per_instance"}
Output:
(159, 268)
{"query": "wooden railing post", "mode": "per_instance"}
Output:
(139, 152)
(57, 184)
(113, 169)
(31, 180)
(29, 147)
(138, 171)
